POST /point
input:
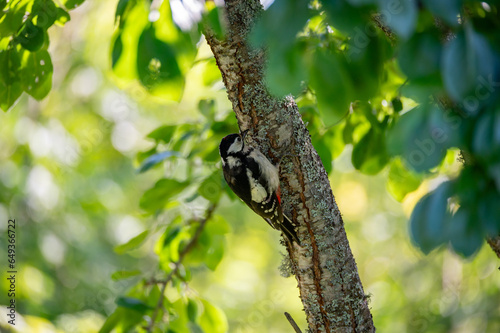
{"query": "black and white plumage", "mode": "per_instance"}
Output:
(256, 181)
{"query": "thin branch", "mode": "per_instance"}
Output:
(178, 263)
(495, 244)
(293, 323)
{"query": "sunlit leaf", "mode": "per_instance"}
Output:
(401, 181)
(132, 244)
(156, 197)
(213, 319)
(36, 74)
(121, 275)
(163, 133)
(31, 37)
(71, 4)
(157, 65)
(10, 85)
(122, 320)
(369, 154)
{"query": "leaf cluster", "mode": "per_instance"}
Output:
(25, 64)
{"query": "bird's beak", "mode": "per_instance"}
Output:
(243, 135)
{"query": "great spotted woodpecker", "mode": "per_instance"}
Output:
(256, 181)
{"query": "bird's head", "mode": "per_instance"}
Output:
(232, 143)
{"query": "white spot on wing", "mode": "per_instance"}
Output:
(269, 171)
(233, 161)
(257, 191)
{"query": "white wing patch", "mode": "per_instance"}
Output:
(269, 171)
(257, 191)
(233, 161)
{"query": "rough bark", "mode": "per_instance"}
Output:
(327, 276)
(495, 245)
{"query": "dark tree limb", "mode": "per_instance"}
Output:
(327, 275)
(495, 245)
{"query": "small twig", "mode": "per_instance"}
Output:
(293, 323)
(178, 263)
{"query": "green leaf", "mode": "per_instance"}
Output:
(122, 275)
(211, 72)
(215, 253)
(163, 133)
(332, 85)
(121, 9)
(486, 138)
(211, 187)
(62, 17)
(448, 10)
(117, 50)
(489, 212)
(286, 70)
(422, 136)
(157, 65)
(13, 19)
(285, 18)
(36, 73)
(71, 4)
(346, 17)
(323, 149)
(218, 225)
(11, 87)
(31, 37)
(132, 244)
(192, 310)
(45, 13)
(207, 108)
(396, 104)
(133, 304)
(365, 63)
(122, 320)
(400, 15)
(212, 18)
(401, 181)
(369, 155)
(157, 197)
(465, 235)
(468, 64)
(213, 319)
(429, 219)
(155, 159)
(420, 56)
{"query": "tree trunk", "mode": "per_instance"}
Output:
(327, 276)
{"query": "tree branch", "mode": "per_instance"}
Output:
(177, 264)
(495, 245)
(293, 323)
(326, 273)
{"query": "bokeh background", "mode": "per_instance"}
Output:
(68, 175)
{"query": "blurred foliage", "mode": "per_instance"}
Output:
(118, 192)
(405, 81)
